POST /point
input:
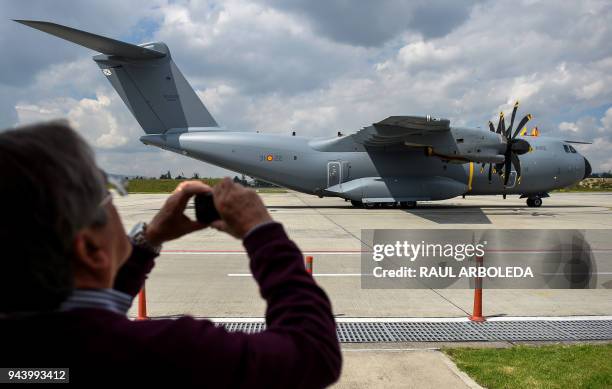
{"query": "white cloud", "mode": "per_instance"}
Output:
(423, 53)
(277, 68)
(92, 118)
(599, 131)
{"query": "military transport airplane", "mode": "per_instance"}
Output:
(397, 161)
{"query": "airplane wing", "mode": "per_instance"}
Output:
(400, 129)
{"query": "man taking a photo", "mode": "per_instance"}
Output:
(69, 273)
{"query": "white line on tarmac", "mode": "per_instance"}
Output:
(314, 275)
(567, 274)
(170, 252)
(203, 252)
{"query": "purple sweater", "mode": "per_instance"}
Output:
(299, 348)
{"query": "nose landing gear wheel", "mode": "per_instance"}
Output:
(408, 204)
(534, 202)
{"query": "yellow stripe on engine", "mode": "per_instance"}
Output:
(471, 176)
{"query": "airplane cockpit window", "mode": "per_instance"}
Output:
(566, 148)
(572, 149)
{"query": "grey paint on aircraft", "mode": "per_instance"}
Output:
(399, 159)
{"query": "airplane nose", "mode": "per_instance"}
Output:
(587, 168)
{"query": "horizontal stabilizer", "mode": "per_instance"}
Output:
(95, 42)
(577, 142)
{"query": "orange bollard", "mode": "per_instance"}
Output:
(477, 312)
(142, 305)
(309, 264)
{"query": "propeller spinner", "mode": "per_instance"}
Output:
(514, 146)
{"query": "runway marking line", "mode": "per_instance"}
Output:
(351, 252)
(314, 275)
(241, 252)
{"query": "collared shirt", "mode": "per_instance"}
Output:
(108, 299)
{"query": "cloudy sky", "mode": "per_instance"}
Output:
(318, 67)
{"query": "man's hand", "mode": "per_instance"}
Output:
(240, 208)
(171, 222)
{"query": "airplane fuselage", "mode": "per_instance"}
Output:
(381, 174)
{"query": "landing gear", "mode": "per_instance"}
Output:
(408, 204)
(356, 204)
(534, 201)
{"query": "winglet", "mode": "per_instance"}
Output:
(95, 42)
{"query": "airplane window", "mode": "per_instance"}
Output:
(566, 148)
(572, 149)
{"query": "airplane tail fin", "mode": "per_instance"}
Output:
(146, 78)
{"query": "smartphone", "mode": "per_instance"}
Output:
(205, 210)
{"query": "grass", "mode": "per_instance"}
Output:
(143, 185)
(557, 366)
(161, 186)
(590, 185)
(271, 190)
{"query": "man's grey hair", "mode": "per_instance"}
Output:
(50, 188)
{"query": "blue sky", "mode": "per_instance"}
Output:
(319, 67)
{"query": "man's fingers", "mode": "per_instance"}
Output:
(219, 225)
(185, 190)
(192, 187)
(221, 191)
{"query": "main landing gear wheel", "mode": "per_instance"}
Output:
(408, 204)
(534, 202)
(356, 204)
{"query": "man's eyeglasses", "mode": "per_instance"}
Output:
(115, 181)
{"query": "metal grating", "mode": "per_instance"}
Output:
(520, 330)
(458, 331)
(587, 329)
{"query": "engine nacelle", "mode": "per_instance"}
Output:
(472, 145)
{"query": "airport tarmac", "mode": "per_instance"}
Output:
(206, 274)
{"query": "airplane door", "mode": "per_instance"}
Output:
(333, 173)
(345, 170)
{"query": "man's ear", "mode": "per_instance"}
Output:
(88, 252)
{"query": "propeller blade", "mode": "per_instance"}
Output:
(499, 122)
(491, 126)
(521, 125)
(512, 118)
(503, 127)
(507, 168)
(516, 162)
(490, 172)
